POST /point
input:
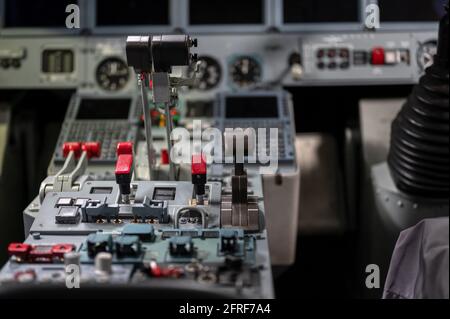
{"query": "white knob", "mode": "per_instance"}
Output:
(103, 263)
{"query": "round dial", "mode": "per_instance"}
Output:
(426, 53)
(245, 71)
(112, 74)
(209, 73)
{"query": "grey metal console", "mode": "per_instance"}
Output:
(146, 243)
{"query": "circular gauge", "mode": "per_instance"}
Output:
(245, 71)
(112, 74)
(209, 73)
(426, 53)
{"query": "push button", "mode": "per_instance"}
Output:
(378, 56)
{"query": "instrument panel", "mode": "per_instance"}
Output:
(97, 64)
(235, 47)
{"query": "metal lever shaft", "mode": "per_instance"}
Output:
(143, 80)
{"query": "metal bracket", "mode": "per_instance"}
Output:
(68, 178)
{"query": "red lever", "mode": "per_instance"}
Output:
(198, 170)
(19, 250)
(124, 164)
(92, 149)
(164, 157)
(72, 147)
(124, 148)
(198, 165)
(124, 171)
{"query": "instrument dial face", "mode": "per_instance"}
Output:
(209, 73)
(426, 53)
(245, 71)
(112, 74)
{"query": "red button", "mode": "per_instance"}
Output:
(198, 164)
(378, 56)
(92, 149)
(124, 164)
(72, 146)
(124, 148)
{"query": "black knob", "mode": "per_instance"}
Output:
(5, 63)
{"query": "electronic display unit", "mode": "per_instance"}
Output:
(104, 109)
(36, 17)
(24, 17)
(132, 13)
(320, 11)
(251, 107)
(411, 11)
(36, 13)
(319, 15)
(225, 16)
(132, 16)
(226, 12)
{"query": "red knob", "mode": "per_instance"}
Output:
(92, 149)
(72, 147)
(124, 148)
(198, 165)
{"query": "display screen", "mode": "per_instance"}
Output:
(104, 109)
(36, 13)
(226, 12)
(310, 11)
(251, 107)
(407, 11)
(199, 108)
(132, 12)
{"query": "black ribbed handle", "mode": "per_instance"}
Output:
(419, 154)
